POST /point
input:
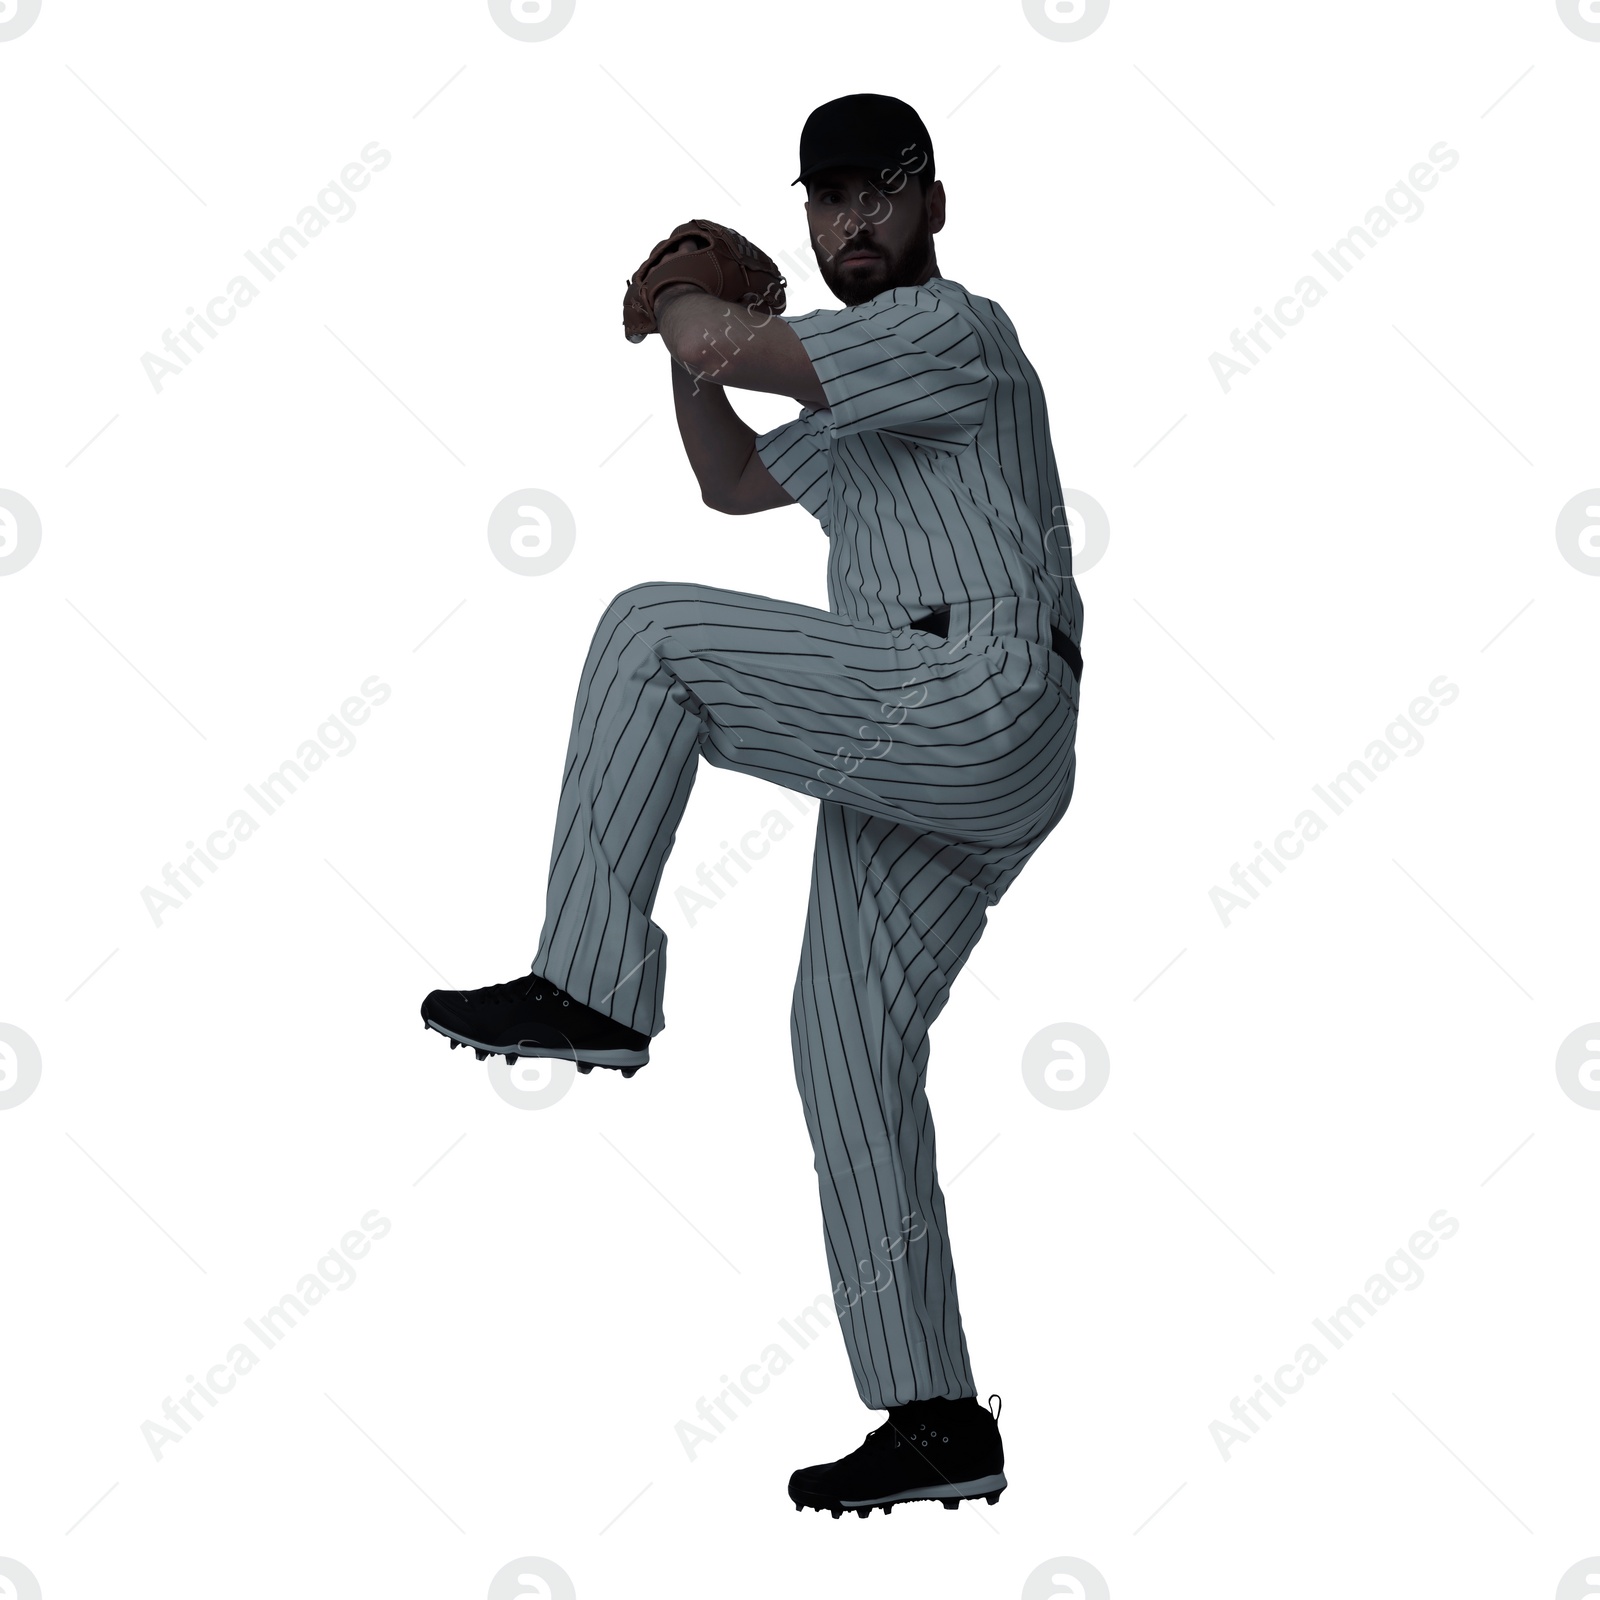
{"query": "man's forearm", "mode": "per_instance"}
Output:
(723, 343)
(717, 441)
(699, 330)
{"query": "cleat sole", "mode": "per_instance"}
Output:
(627, 1062)
(989, 1489)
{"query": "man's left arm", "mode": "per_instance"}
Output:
(735, 346)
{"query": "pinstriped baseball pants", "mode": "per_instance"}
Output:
(939, 766)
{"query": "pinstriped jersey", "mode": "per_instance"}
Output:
(930, 468)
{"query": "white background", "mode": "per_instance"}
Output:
(225, 1095)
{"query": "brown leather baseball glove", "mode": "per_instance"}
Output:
(727, 265)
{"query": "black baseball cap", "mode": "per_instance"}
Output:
(874, 131)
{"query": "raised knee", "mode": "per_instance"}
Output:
(637, 597)
(621, 606)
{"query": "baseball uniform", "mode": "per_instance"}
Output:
(939, 764)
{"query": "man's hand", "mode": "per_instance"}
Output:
(676, 291)
(718, 260)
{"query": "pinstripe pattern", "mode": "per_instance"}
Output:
(931, 469)
(940, 765)
(963, 760)
(894, 913)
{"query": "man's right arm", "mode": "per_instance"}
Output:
(721, 448)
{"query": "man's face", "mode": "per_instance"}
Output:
(872, 232)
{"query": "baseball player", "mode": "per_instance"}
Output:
(931, 711)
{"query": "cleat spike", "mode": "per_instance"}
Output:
(992, 1498)
(511, 1058)
(455, 1044)
(586, 1066)
(628, 1072)
(863, 1511)
(482, 1055)
(951, 1505)
(888, 1507)
(838, 1511)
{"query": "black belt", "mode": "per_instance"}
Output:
(938, 621)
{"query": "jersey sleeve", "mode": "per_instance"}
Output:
(796, 454)
(908, 363)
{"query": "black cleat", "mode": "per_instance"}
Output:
(532, 1017)
(944, 1450)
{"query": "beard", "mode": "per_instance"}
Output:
(859, 281)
